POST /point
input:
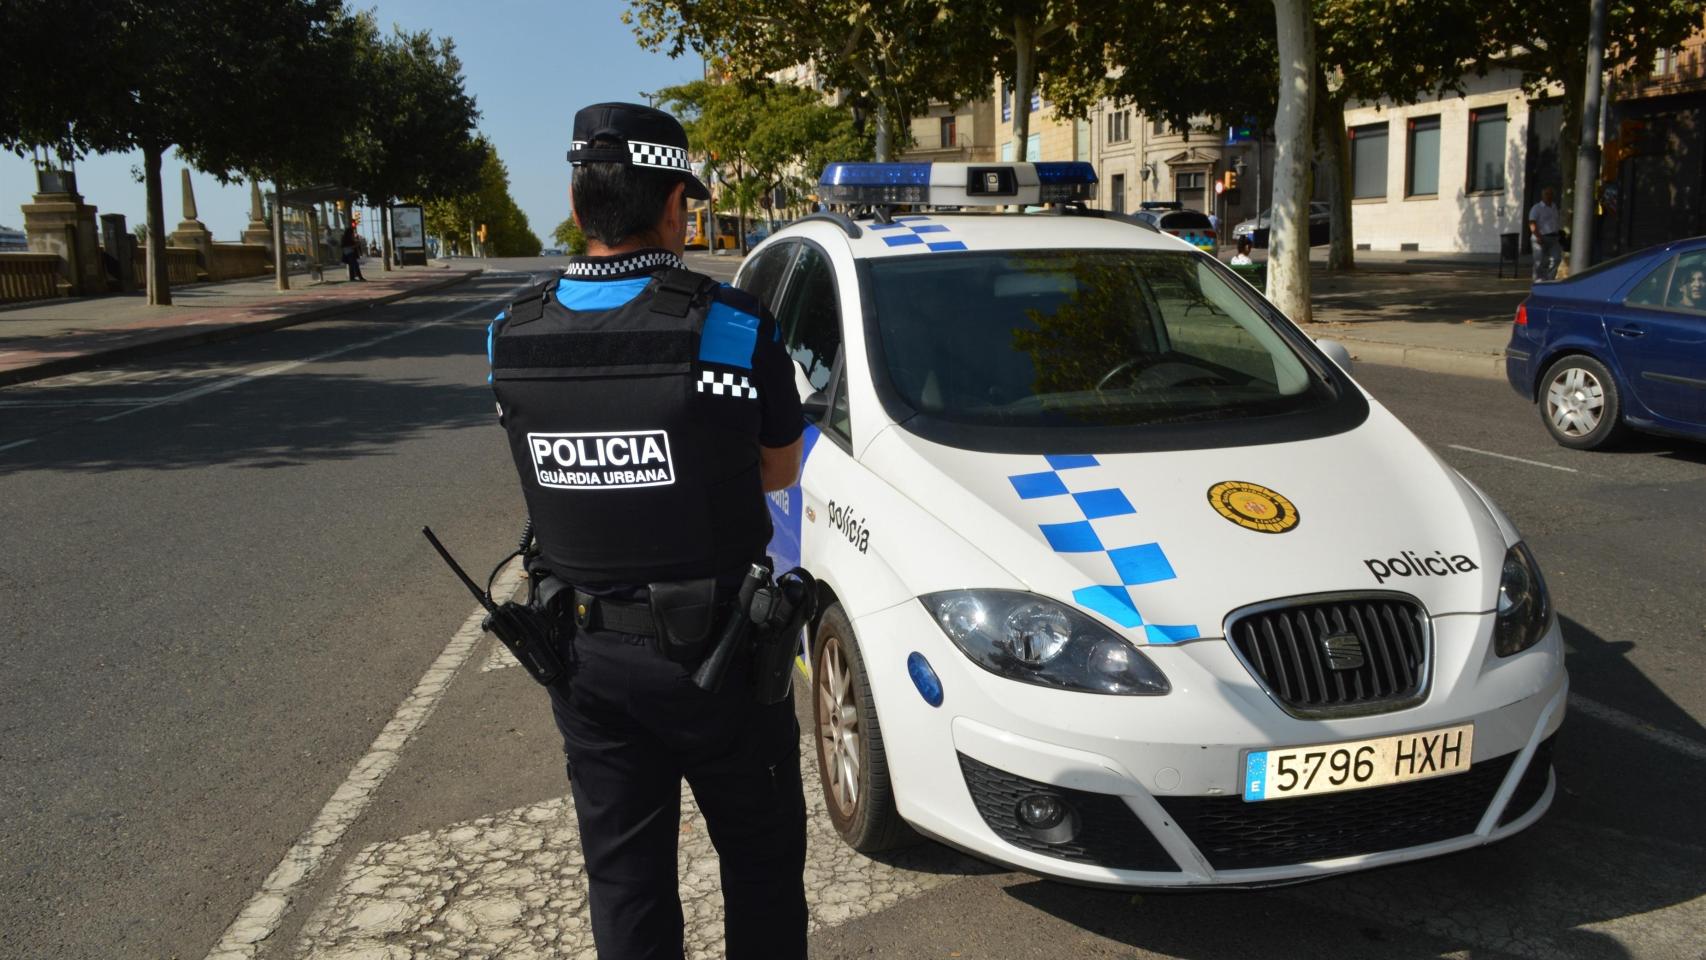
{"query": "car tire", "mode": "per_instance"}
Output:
(851, 761)
(1580, 403)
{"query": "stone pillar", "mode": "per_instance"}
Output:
(59, 222)
(118, 243)
(192, 232)
(257, 230)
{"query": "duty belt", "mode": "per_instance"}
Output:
(623, 616)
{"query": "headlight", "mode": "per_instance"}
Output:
(1025, 637)
(1525, 609)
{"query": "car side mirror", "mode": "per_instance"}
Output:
(815, 406)
(1338, 352)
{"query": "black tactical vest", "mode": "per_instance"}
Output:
(632, 472)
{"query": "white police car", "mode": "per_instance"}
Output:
(1126, 581)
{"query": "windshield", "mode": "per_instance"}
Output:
(1081, 339)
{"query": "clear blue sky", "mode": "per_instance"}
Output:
(529, 63)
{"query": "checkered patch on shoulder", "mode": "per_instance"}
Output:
(727, 384)
(641, 263)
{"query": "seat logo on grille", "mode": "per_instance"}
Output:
(1343, 650)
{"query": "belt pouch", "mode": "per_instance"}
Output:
(685, 611)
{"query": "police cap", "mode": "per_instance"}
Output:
(636, 135)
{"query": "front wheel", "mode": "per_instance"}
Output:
(851, 761)
(1580, 403)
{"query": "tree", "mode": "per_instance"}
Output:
(1548, 44)
(891, 59)
(1288, 245)
(415, 136)
(508, 233)
(204, 76)
(767, 135)
(568, 235)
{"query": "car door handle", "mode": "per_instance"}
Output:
(1631, 331)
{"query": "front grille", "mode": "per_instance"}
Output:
(1533, 783)
(1234, 834)
(1283, 645)
(1108, 835)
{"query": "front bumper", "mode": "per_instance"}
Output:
(1155, 782)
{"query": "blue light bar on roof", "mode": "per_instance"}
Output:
(957, 184)
(875, 183)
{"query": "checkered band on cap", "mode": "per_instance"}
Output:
(660, 156)
(617, 266)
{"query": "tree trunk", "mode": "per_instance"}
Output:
(1288, 244)
(1025, 47)
(884, 135)
(1334, 143)
(385, 230)
(159, 283)
(280, 264)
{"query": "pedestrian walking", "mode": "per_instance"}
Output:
(1242, 257)
(649, 409)
(1543, 225)
(350, 249)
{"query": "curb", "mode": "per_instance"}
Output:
(1432, 359)
(166, 343)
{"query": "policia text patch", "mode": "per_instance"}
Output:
(602, 461)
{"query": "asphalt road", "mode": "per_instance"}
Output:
(217, 608)
(213, 594)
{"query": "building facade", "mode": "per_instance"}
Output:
(1653, 177)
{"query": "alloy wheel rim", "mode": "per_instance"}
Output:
(1575, 401)
(838, 727)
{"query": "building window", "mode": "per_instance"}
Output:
(1664, 63)
(1119, 126)
(1157, 127)
(1368, 161)
(1188, 190)
(1118, 190)
(1007, 152)
(1422, 178)
(950, 137)
(1080, 139)
(1487, 150)
(1034, 147)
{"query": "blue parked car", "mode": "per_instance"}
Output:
(1620, 345)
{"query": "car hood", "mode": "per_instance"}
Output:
(1166, 544)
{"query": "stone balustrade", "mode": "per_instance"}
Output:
(28, 276)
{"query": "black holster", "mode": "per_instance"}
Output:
(780, 612)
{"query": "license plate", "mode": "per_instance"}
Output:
(1356, 764)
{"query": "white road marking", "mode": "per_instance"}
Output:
(1693, 749)
(1506, 456)
(17, 443)
(266, 909)
(90, 402)
(237, 381)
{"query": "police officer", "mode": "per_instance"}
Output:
(649, 409)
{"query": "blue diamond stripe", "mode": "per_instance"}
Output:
(875, 227)
(910, 218)
(1075, 537)
(1071, 461)
(1033, 485)
(1097, 504)
(1169, 633)
(903, 239)
(1111, 602)
(928, 228)
(1141, 564)
(947, 245)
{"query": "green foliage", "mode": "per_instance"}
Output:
(764, 135)
(508, 233)
(568, 235)
(893, 57)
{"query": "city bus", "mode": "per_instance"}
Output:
(728, 230)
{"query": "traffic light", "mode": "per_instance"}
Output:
(355, 217)
(482, 233)
(1231, 179)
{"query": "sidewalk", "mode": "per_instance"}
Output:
(47, 338)
(1442, 315)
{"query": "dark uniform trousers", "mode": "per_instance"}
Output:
(633, 726)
